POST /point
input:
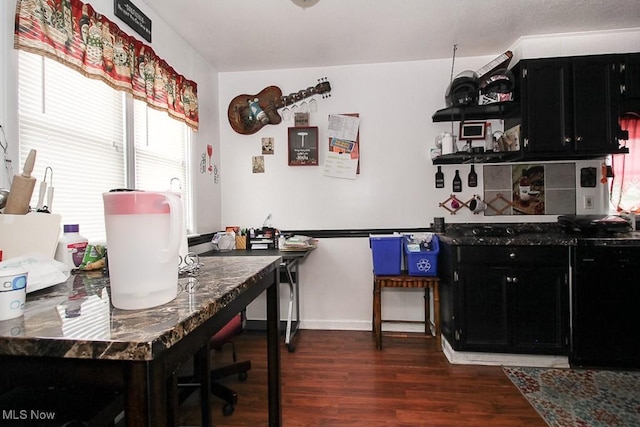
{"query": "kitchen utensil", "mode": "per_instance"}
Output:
(22, 188)
(603, 171)
(41, 207)
(4, 194)
(144, 234)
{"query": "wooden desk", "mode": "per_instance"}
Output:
(406, 281)
(59, 342)
(289, 273)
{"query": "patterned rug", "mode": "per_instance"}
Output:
(572, 397)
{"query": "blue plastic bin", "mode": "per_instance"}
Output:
(387, 254)
(422, 263)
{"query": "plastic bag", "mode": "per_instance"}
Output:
(42, 271)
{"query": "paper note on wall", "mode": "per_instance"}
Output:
(338, 165)
(343, 127)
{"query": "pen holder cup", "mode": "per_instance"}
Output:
(241, 242)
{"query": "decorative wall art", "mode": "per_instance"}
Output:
(267, 145)
(210, 155)
(257, 164)
(248, 114)
(303, 146)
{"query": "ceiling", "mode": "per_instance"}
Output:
(242, 35)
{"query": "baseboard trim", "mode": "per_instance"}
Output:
(498, 359)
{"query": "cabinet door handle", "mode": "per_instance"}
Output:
(567, 140)
(514, 280)
(512, 255)
(623, 88)
(579, 139)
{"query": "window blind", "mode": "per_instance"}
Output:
(78, 127)
(161, 153)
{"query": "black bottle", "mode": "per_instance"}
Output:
(457, 182)
(439, 178)
(472, 178)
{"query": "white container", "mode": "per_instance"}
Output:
(144, 234)
(13, 292)
(448, 143)
(71, 246)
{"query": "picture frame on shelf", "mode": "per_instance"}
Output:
(303, 146)
(472, 130)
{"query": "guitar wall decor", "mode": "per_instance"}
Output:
(250, 113)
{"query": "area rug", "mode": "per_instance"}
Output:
(576, 397)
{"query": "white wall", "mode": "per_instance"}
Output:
(179, 55)
(395, 188)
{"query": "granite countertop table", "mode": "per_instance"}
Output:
(74, 319)
(70, 335)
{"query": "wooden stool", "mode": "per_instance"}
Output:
(406, 281)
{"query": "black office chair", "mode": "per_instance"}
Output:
(224, 336)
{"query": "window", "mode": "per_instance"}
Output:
(91, 138)
(625, 188)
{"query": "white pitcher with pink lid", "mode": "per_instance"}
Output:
(144, 233)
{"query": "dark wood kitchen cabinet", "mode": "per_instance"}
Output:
(605, 307)
(505, 299)
(630, 85)
(569, 107)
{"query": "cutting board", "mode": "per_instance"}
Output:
(33, 232)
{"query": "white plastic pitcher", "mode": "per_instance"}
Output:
(144, 233)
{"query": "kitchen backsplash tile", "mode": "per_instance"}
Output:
(552, 189)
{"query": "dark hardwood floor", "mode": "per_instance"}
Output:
(338, 378)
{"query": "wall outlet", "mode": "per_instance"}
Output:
(588, 202)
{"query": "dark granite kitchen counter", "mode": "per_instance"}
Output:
(74, 319)
(529, 234)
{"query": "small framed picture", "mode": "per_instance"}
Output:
(471, 130)
(303, 146)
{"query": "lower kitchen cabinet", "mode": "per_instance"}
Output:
(605, 298)
(505, 299)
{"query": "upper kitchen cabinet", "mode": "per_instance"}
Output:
(630, 85)
(569, 107)
(563, 109)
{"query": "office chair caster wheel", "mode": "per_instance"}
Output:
(242, 376)
(227, 409)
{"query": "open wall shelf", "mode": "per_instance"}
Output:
(475, 112)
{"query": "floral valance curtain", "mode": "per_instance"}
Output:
(72, 33)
